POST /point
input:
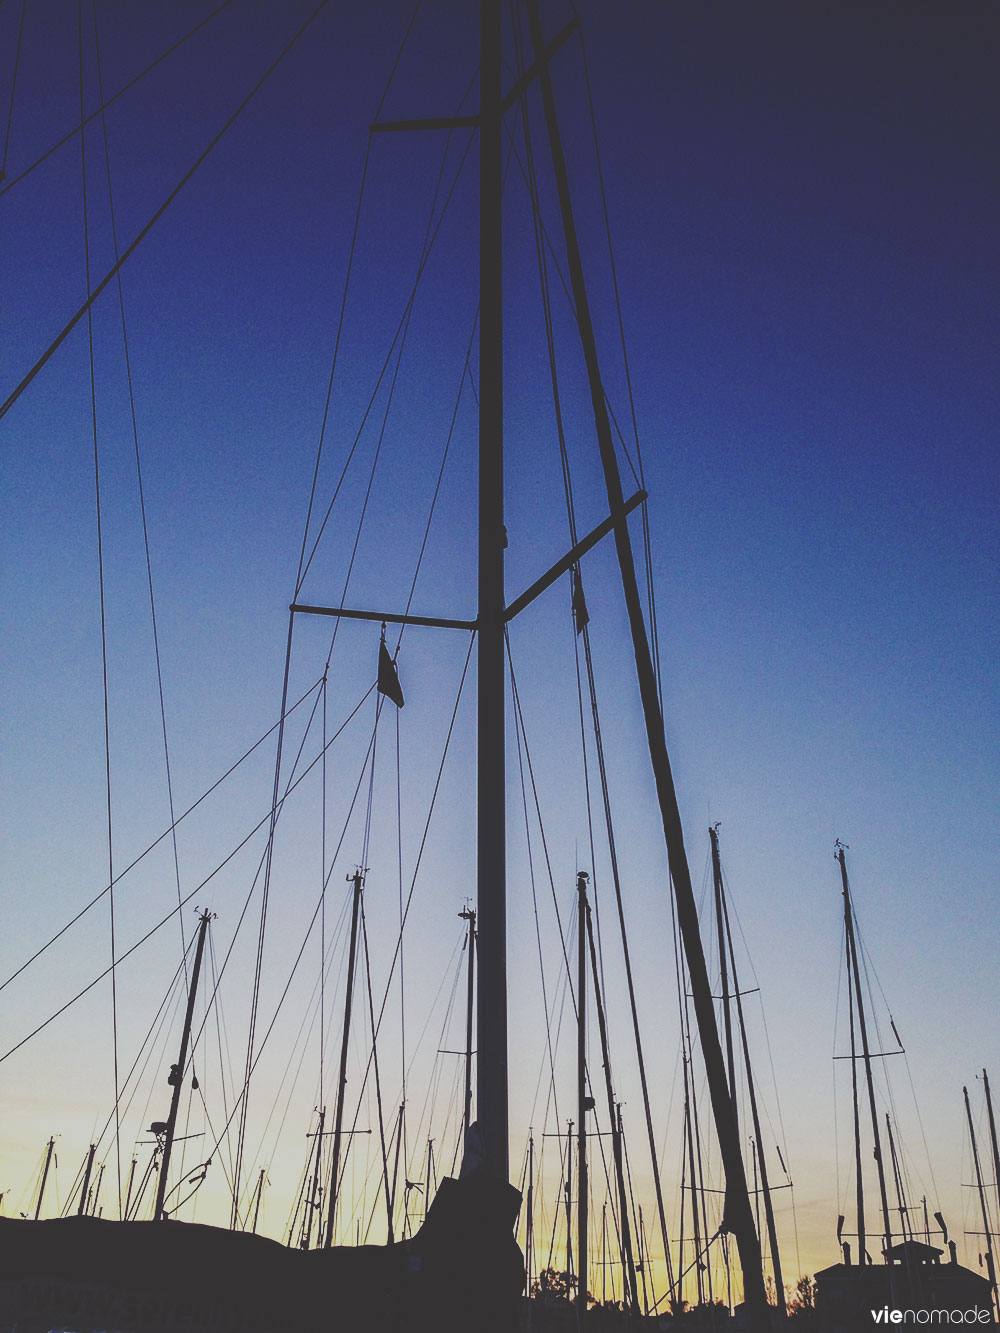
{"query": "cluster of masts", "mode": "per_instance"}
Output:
(314, 1216)
(316, 1212)
(863, 1091)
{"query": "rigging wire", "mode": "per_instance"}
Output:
(465, 375)
(568, 490)
(870, 973)
(572, 308)
(138, 467)
(401, 327)
(783, 1149)
(222, 1039)
(427, 1111)
(322, 899)
(92, 295)
(566, 975)
(265, 894)
(259, 961)
(100, 578)
(242, 1103)
(300, 575)
(534, 196)
(399, 336)
(646, 542)
(413, 881)
(156, 841)
(538, 934)
(378, 1080)
(362, 870)
(432, 231)
(187, 898)
(78, 129)
(451, 727)
(13, 86)
(399, 871)
(302, 1037)
(538, 809)
(150, 1040)
(420, 556)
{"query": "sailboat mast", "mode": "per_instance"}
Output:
(491, 1066)
(259, 1194)
(689, 1136)
(993, 1138)
(739, 1214)
(312, 1203)
(128, 1188)
(569, 1199)
(177, 1073)
(772, 1231)
(990, 1263)
(852, 953)
(529, 1226)
(859, 1180)
(727, 1020)
(614, 1115)
(358, 880)
(97, 1193)
(469, 915)
(897, 1176)
(45, 1175)
(581, 1099)
(82, 1208)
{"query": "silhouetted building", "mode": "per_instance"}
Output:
(850, 1296)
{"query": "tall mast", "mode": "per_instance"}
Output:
(581, 1099)
(993, 1139)
(358, 880)
(643, 1262)
(739, 1215)
(990, 1264)
(897, 1176)
(45, 1175)
(491, 1066)
(689, 1134)
(128, 1188)
(259, 1194)
(727, 1020)
(630, 1290)
(312, 1202)
(97, 1193)
(604, 1251)
(529, 1226)
(859, 1179)
(88, 1167)
(852, 954)
(569, 1199)
(469, 915)
(703, 1194)
(677, 1298)
(177, 1073)
(772, 1230)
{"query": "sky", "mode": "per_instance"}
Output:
(801, 204)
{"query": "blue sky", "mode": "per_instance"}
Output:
(801, 203)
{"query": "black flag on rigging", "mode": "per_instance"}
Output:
(580, 612)
(388, 680)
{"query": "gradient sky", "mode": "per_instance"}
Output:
(802, 201)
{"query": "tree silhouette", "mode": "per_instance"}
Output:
(802, 1306)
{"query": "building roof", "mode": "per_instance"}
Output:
(915, 1251)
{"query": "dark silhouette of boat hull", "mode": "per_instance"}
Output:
(461, 1270)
